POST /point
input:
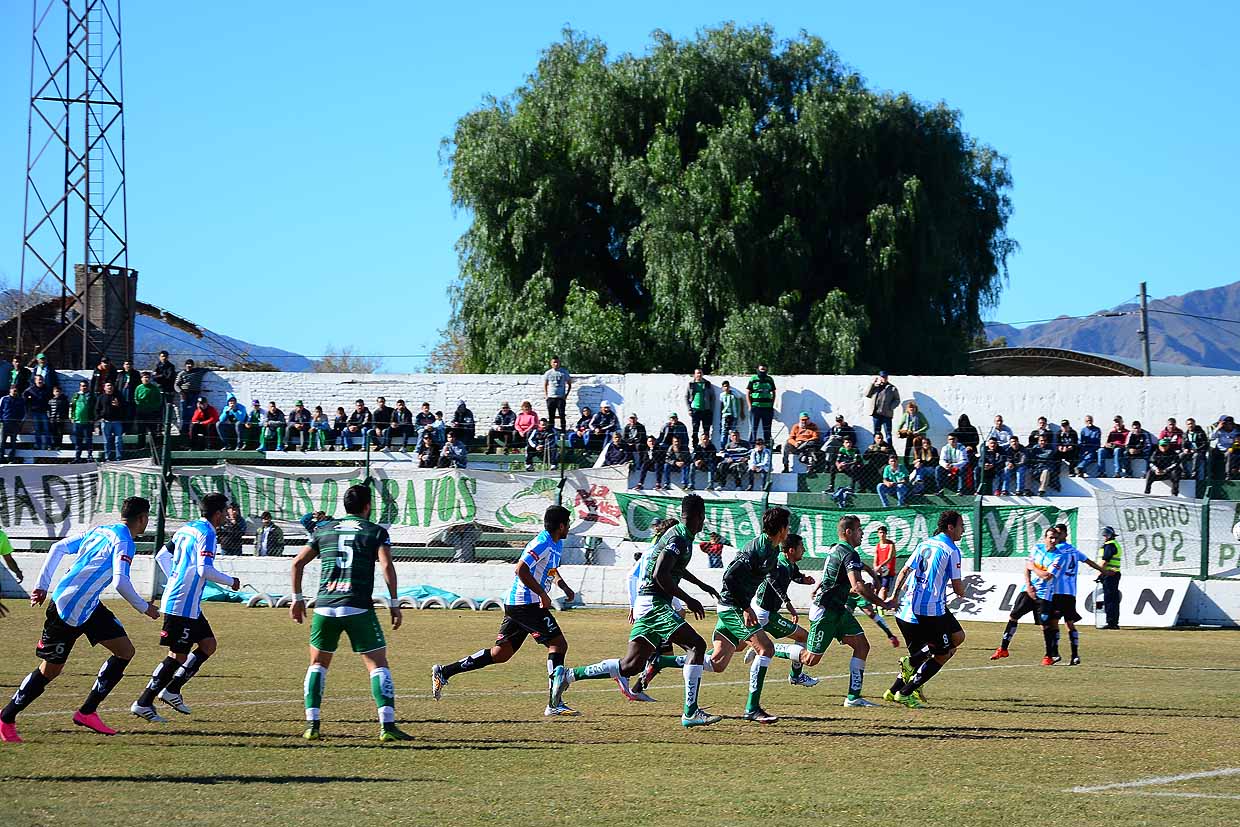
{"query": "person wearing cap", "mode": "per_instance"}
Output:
(557, 382)
(356, 427)
(269, 541)
(103, 373)
(202, 424)
(273, 427)
(503, 429)
(700, 399)
(1226, 439)
(381, 424)
(1067, 448)
(542, 443)
(730, 408)
(580, 435)
(634, 435)
(44, 368)
(803, 440)
(603, 424)
(882, 399)
(1091, 445)
(189, 385)
(1164, 466)
(1110, 558)
(1195, 450)
(253, 426)
(463, 423)
(148, 406)
(231, 427)
(759, 463)
(673, 428)
(1114, 449)
(1138, 446)
(300, 421)
(760, 395)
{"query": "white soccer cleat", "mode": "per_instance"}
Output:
(147, 712)
(438, 681)
(642, 696)
(561, 710)
(174, 700)
(750, 654)
(802, 679)
(855, 702)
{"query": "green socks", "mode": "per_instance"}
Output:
(384, 693)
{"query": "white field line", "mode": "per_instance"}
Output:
(1134, 787)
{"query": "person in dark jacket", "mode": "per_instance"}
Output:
(1067, 446)
(402, 425)
(340, 423)
(634, 435)
(165, 375)
(104, 373)
(44, 368)
(1040, 459)
(617, 452)
(381, 425)
(993, 459)
(357, 425)
(1089, 447)
(110, 412)
(542, 443)
(299, 421)
(127, 380)
(424, 421)
(673, 428)
(1164, 466)
(700, 399)
(454, 453)
(36, 398)
(57, 417)
(12, 412)
(580, 435)
(1012, 479)
(17, 376)
(428, 452)
(705, 458)
(503, 429)
(967, 435)
(463, 423)
(1196, 451)
(651, 459)
(603, 424)
(189, 385)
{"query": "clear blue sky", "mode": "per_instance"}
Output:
(298, 144)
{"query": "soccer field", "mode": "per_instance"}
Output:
(1004, 743)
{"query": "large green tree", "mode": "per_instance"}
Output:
(717, 201)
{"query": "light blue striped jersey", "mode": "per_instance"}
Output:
(1047, 561)
(935, 563)
(639, 567)
(104, 552)
(542, 556)
(193, 545)
(1070, 558)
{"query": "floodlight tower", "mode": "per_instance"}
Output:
(75, 207)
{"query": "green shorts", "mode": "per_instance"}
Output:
(834, 624)
(731, 627)
(657, 625)
(778, 626)
(365, 633)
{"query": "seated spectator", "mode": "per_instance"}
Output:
(36, 397)
(1000, 432)
(759, 463)
(1164, 466)
(269, 541)
(381, 425)
(12, 413)
(733, 462)
(231, 427)
(1042, 429)
(673, 428)
(705, 457)
(651, 459)
(253, 426)
(1173, 435)
(402, 426)
(526, 421)
(912, 426)
(1040, 460)
(357, 426)
(299, 423)
(202, 424)
(439, 428)
(428, 452)
(1012, 478)
(617, 452)
(847, 462)
(579, 436)
(1114, 449)
(57, 417)
(320, 430)
(804, 440)
(953, 465)
(713, 548)
(603, 424)
(424, 421)
(1226, 439)
(339, 425)
(455, 453)
(922, 476)
(1195, 453)
(1090, 448)
(463, 422)
(924, 450)
(634, 435)
(1139, 446)
(677, 459)
(503, 429)
(992, 461)
(894, 481)
(1067, 447)
(273, 427)
(967, 435)
(543, 443)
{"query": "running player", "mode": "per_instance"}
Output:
(1026, 603)
(349, 548)
(1070, 558)
(189, 567)
(527, 612)
(103, 557)
(931, 631)
(771, 594)
(656, 621)
(832, 618)
(637, 692)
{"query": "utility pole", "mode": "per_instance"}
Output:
(1145, 330)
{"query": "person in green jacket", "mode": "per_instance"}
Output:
(912, 425)
(148, 406)
(82, 415)
(761, 393)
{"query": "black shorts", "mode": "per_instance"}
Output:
(181, 633)
(1065, 607)
(1024, 605)
(913, 635)
(58, 637)
(527, 620)
(936, 631)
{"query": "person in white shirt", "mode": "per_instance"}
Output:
(759, 463)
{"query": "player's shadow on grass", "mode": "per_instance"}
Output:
(1032, 731)
(943, 734)
(1028, 707)
(214, 779)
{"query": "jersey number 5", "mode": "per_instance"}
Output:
(345, 551)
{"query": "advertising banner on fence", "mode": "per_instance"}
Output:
(416, 504)
(1144, 601)
(1166, 533)
(46, 500)
(1007, 531)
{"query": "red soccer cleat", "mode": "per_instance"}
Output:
(8, 733)
(1048, 661)
(999, 653)
(895, 642)
(93, 722)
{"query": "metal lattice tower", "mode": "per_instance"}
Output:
(75, 209)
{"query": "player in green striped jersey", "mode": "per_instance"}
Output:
(766, 604)
(349, 549)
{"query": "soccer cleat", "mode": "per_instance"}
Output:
(889, 696)
(92, 722)
(906, 669)
(147, 712)
(312, 731)
(858, 702)
(760, 716)
(750, 654)
(999, 653)
(438, 681)
(390, 732)
(650, 671)
(895, 642)
(559, 682)
(638, 695)
(700, 717)
(1049, 661)
(562, 709)
(1076, 661)
(174, 700)
(620, 682)
(908, 700)
(8, 733)
(802, 679)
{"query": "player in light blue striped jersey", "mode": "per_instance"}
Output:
(1063, 600)
(103, 556)
(189, 566)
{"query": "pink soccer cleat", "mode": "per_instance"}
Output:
(8, 733)
(93, 722)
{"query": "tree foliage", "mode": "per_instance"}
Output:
(345, 360)
(719, 201)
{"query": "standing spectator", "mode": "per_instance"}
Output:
(104, 373)
(713, 549)
(542, 443)
(617, 452)
(1040, 460)
(674, 428)
(881, 401)
(953, 464)
(269, 542)
(36, 398)
(603, 424)
(678, 459)
(253, 426)
(1226, 439)
(803, 441)
(1012, 480)
(1139, 446)
(110, 411)
(231, 534)
(912, 425)
(700, 399)
(847, 462)
(1164, 466)
(231, 427)
(82, 415)
(18, 376)
(402, 425)
(526, 421)
(1173, 434)
(1091, 445)
(357, 426)
(274, 423)
(1117, 441)
(1000, 432)
(148, 406)
(759, 463)
(556, 384)
(424, 422)
(1196, 450)
(57, 417)
(321, 430)
(300, 421)
(44, 369)
(761, 397)
(705, 457)
(733, 462)
(634, 435)
(189, 385)
(12, 412)
(127, 381)
(503, 429)
(165, 374)
(381, 425)
(455, 453)
(202, 424)
(651, 459)
(580, 435)
(730, 404)
(894, 481)
(1111, 557)
(967, 435)
(1042, 429)
(428, 452)
(993, 460)
(340, 424)
(884, 563)
(1067, 446)
(463, 423)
